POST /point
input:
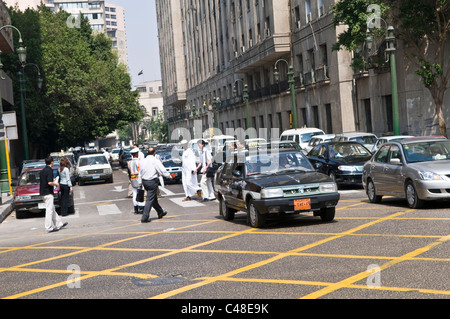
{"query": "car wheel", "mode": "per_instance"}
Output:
(255, 218)
(372, 193)
(225, 211)
(411, 196)
(327, 213)
(80, 182)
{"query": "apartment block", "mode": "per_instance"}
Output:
(211, 49)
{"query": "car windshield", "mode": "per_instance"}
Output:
(115, 151)
(364, 139)
(427, 151)
(33, 177)
(92, 160)
(272, 163)
(306, 137)
(348, 149)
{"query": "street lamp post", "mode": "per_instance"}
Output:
(22, 105)
(390, 48)
(216, 100)
(291, 82)
(247, 106)
(5, 174)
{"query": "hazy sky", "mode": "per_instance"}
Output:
(142, 39)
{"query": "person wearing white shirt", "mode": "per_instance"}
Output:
(206, 182)
(189, 172)
(148, 178)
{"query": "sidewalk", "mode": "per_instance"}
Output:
(6, 207)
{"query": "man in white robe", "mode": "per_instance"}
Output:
(189, 172)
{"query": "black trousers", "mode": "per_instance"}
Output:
(151, 186)
(64, 199)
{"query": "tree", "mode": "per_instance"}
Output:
(86, 92)
(424, 28)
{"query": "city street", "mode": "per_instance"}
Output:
(370, 251)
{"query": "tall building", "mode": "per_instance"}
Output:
(25, 4)
(210, 49)
(116, 30)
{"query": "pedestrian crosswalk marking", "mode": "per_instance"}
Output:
(108, 210)
(191, 203)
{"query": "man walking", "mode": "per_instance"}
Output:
(206, 160)
(52, 221)
(149, 173)
(133, 174)
(189, 172)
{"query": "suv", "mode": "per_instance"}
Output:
(93, 167)
(283, 181)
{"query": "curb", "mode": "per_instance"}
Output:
(6, 209)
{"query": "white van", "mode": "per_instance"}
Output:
(301, 135)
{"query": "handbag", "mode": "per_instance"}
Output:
(140, 195)
(210, 171)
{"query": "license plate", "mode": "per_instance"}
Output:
(95, 176)
(41, 205)
(302, 204)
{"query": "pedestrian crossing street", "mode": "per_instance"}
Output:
(112, 207)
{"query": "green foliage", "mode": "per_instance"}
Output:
(353, 14)
(86, 93)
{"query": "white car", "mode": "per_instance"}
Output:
(93, 167)
(386, 139)
(316, 140)
(366, 139)
(301, 135)
(115, 154)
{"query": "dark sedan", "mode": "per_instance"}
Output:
(342, 161)
(262, 183)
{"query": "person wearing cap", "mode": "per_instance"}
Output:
(189, 172)
(206, 160)
(133, 175)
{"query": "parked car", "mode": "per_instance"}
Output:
(366, 139)
(93, 167)
(417, 169)
(315, 140)
(301, 135)
(342, 161)
(26, 198)
(273, 183)
(386, 139)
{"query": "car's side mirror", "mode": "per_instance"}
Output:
(395, 161)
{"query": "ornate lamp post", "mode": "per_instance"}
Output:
(245, 96)
(390, 49)
(291, 82)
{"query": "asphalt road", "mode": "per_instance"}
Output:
(370, 251)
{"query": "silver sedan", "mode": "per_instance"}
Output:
(417, 169)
